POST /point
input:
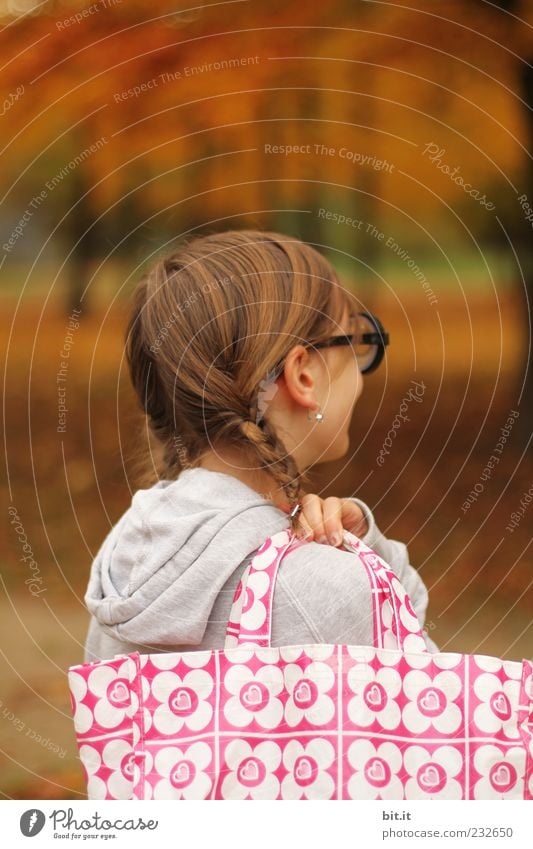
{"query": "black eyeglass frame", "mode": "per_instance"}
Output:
(378, 337)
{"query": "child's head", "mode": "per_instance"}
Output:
(218, 351)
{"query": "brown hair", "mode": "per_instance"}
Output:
(208, 325)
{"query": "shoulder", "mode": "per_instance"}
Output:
(330, 590)
(316, 564)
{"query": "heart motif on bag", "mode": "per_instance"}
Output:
(252, 696)
(430, 776)
(430, 701)
(182, 701)
(376, 771)
(302, 693)
(249, 771)
(304, 769)
(500, 705)
(374, 696)
(501, 776)
(119, 692)
(182, 773)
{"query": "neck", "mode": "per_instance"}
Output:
(230, 463)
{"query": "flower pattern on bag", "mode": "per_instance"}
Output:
(433, 775)
(432, 702)
(184, 772)
(118, 757)
(307, 766)
(112, 695)
(254, 697)
(183, 702)
(253, 721)
(495, 711)
(83, 715)
(251, 770)
(502, 771)
(375, 770)
(376, 696)
(309, 695)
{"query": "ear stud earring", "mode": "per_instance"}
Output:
(318, 416)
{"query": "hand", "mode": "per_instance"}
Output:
(322, 519)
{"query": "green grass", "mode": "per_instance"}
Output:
(469, 272)
(465, 271)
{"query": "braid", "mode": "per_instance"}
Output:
(275, 459)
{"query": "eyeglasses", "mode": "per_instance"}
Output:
(368, 343)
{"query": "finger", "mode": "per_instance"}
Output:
(353, 518)
(304, 529)
(332, 511)
(311, 514)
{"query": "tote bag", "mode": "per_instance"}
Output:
(252, 721)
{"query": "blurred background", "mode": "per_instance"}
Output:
(398, 141)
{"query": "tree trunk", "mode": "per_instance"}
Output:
(82, 239)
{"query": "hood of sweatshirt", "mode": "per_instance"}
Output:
(161, 566)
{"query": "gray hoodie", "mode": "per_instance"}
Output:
(166, 573)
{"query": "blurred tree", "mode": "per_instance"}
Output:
(511, 28)
(81, 236)
(185, 110)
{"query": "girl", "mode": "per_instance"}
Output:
(239, 348)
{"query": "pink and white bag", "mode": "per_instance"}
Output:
(252, 721)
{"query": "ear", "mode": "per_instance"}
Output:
(299, 377)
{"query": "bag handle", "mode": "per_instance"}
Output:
(396, 624)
